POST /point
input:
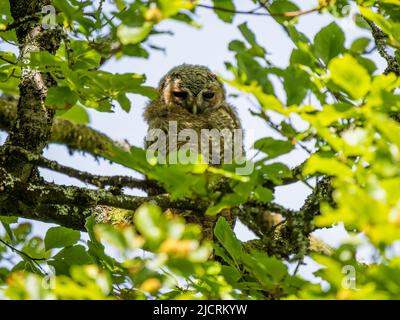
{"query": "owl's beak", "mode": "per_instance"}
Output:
(194, 109)
(198, 104)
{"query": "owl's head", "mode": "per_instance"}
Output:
(192, 87)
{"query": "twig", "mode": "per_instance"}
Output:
(6, 60)
(21, 21)
(291, 14)
(96, 180)
(23, 254)
(379, 37)
(250, 12)
(263, 116)
(297, 267)
(272, 207)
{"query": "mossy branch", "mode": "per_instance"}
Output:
(75, 137)
(70, 205)
(379, 37)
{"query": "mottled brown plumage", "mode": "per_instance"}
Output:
(194, 98)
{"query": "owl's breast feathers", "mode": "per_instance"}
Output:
(224, 117)
(161, 116)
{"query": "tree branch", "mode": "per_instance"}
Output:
(31, 128)
(96, 180)
(379, 37)
(73, 204)
(21, 21)
(253, 12)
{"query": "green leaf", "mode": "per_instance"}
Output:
(268, 270)
(270, 102)
(329, 42)
(298, 37)
(76, 114)
(65, 7)
(75, 255)
(133, 35)
(7, 56)
(368, 64)
(8, 219)
(5, 222)
(253, 71)
(170, 8)
(83, 56)
(263, 194)
(220, 252)
(5, 11)
(228, 200)
(124, 102)
(61, 98)
(46, 61)
(228, 240)
(4, 273)
(230, 273)
(388, 127)
(34, 247)
(120, 4)
(296, 84)
(21, 231)
(135, 50)
(281, 6)
(224, 15)
(318, 164)
(360, 45)
(59, 237)
(348, 74)
(272, 147)
(68, 257)
(250, 37)
(302, 57)
(146, 91)
(276, 172)
(147, 220)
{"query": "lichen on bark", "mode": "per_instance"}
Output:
(32, 126)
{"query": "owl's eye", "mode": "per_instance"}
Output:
(208, 95)
(180, 94)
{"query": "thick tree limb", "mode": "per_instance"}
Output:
(31, 128)
(69, 205)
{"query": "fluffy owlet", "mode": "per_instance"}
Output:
(192, 97)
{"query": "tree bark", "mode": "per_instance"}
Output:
(32, 127)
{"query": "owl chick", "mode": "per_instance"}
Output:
(192, 97)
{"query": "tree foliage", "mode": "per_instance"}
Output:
(136, 247)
